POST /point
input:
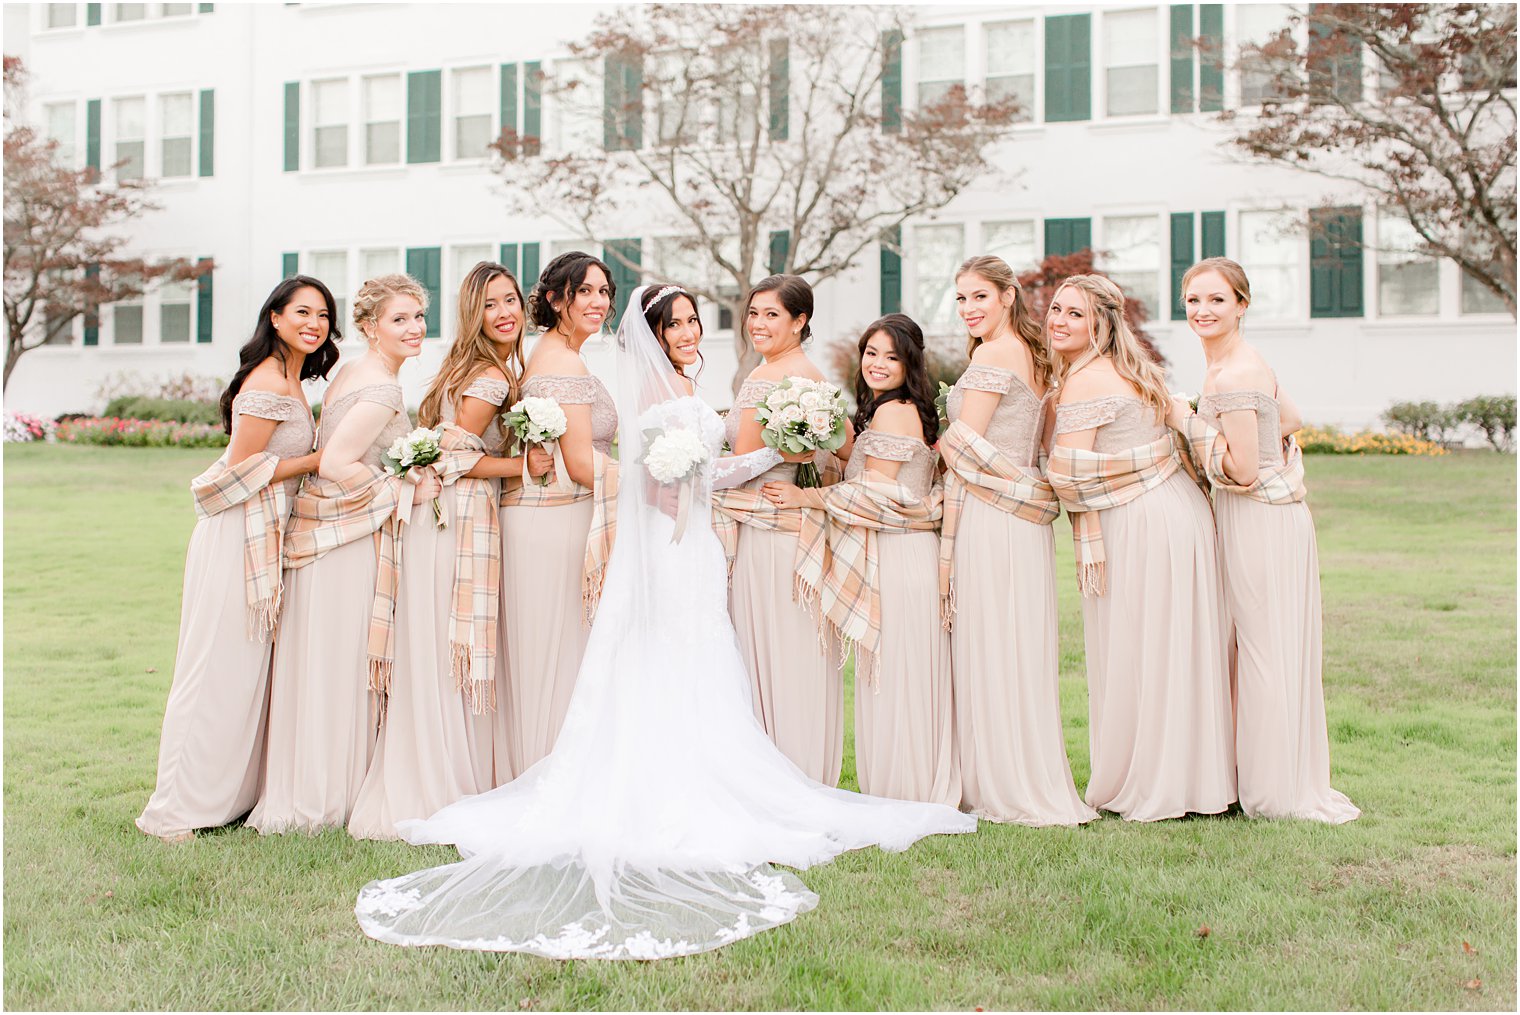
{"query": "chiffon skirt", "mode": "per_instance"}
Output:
(797, 690)
(1007, 656)
(321, 713)
(211, 752)
(542, 630)
(1157, 662)
(905, 727)
(432, 749)
(1270, 563)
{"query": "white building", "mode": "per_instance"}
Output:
(347, 140)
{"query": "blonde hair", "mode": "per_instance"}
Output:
(1232, 273)
(1112, 337)
(474, 349)
(373, 295)
(1020, 318)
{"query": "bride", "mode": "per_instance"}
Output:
(649, 830)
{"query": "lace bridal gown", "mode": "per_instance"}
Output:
(650, 829)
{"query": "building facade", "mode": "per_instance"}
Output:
(346, 140)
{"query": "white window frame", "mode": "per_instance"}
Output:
(1031, 112)
(369, 119)
(1156, 303)
(117, 137)
(1158, 51)
(142, 335)
(453, 102)
(68, 149)
(948, 83)
(176, 294)
(1391, 252)
(939, 320)
(191, 138)
(347, 122)
(47, 18)
(1289, 226)
(117, 19)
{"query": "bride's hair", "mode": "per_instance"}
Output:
(908, 343)
(659, 308)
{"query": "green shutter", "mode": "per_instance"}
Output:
(207, 8)
(529, 265)
(92, 17)
(781, 242)
(780, 89)
(1340, 72)
(533, 84)
(423, 263)
(509, 260)
(1213, 234)
(292, 126)
(1182, 58)
(624, 278)
(1067, 236)
(1335, 262)
(1182, 258)
(203, 306)
(891, 270)
(1068, 67)
(424, 123)
(633, 103)
(290, 264)
(891, 81)
(1211, 66)
(509, 99)
(622, 102)
(91, 307)
(208, 132)
(612, 99)
(92, 135)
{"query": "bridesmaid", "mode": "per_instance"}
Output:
(547, 593)
(435, 745)
(1268, 558)
(882, 520)
(330, 652)
(211, 753)
(998, 561)
(797, 687)
(1153, 610)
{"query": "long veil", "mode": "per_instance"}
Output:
(649, 830)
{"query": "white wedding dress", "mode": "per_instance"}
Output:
(650, 829)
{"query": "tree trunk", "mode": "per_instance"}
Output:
(14, 347)
(744, 350)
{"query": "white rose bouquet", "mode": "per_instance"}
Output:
(801, 415)
(672, 456)
(418, 448)
(537, 421)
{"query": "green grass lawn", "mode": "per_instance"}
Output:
(1413, 906)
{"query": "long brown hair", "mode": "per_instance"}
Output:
(908, 343)
(474, 349)
(995, 270)
(1112, 337)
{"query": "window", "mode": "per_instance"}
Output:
(1477, 298)
(1010, 65)
(129, 138)
(62, 15)
(577, 122)
(1408, 282)
(62, 127)
(1013, 242)
(675, 113)
(941, 62)
(738, 111)
(1130, 45)
(382, 119)
(1271, 246)
(331, 266)
(1068, 67)
(177, 127)
(461, 260)
(127, 324)
(1258, 24)
(937, 252)
(1133, 261)
(174, 312)
(472, 112)
(175, 10)
(130, 12)
(374, 263)
(329, 123)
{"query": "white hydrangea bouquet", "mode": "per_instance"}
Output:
(672, 456)
(418, 448)
(537, 421)
(802, 415)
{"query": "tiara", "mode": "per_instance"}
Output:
(669, 290)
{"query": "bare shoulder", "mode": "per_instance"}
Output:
(1097, 380)
(491, 373)
(267, 376)
(898, 418)
(1005, 354)
(556, 360)
(1244, 373)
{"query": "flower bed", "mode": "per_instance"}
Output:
(139, 433)
(1327, 440)
(23, 426)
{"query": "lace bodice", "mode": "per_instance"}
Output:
(487, 389)
(690, 412)
(917, 470)
(292, 436)
(1268, 420)
(749, 396)
(386, 394)
(569, 389)
(1015, 426)
(1122, 421)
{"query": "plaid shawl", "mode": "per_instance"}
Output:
(477, 570)
(858, 512)
(974, 466)
(1275, 484)
(1089, 481)
(250, 483)
(603, 532)
(330, 513)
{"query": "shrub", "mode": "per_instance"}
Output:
(23, 426)
(1327, 440)
(140, 433)
(1494, 416)
(179, 410)
(1424, 420)
(183, 386)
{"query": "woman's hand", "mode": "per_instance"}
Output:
(426, 480)
(1179, 411)
(783, 495)
(799, 457)
(540, 460)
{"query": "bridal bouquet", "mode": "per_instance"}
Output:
(942, 407)
(418, 448)
(535, 421)
(672, 456)
(802, 415)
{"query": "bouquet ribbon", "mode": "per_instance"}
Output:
(683, 509)
(562, 480)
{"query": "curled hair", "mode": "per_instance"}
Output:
(1112, 337)
(1020, 318)
(1232, 272)
(561, 277)
(474, 348)
(374, 294)
(266, 341)
(660, 314)
(793, 292)
(908, 343)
